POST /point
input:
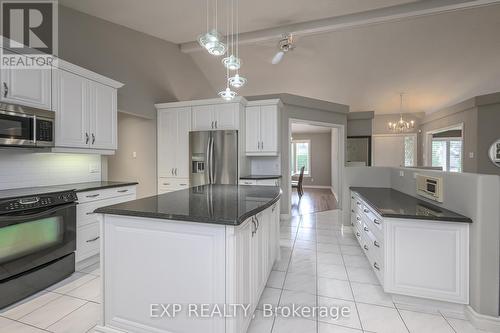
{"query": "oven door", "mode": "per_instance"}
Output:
(35, 238)
(16, 129)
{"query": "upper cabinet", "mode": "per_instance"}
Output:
(216, 117)
(262, 127)
(27, 87)
(86, 110)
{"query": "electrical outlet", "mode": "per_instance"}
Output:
(401, 173)
(471, 154)
(134, 154)
(94, 168)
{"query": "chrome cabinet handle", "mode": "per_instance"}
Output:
(166, 183)
(216, 124)
(366, 210)
(255, 227)
(358, 203)
(365, 247)
(258, 223)
(90, 213)
(375, 265)
(357, 234)
(5, 89)
(357, 218)
(176, 171)
(212, 124)
(122, 191)
(352, 210)
(93, 239)
(93, 138)
(352, 197)
(365, 229)
(172, 171)
(376, 244)
(93, 195)
(86, 138)
(376, 221)
(183, 184)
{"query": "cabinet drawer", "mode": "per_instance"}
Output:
(268, 182)
(248, 182)
(166, 185)
(85, 211)
(374, 219)
(87, 241)
(373, 243)
(105, 193)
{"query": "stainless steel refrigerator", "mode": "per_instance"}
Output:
(213, 157)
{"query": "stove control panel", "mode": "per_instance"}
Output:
(40, 201)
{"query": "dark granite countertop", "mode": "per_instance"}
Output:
(216, 204)
(78, 187)
(391, 203)
(261, 177)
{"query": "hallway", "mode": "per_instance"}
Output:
(313, 200)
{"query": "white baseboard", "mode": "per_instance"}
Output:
(315, 186)
(417, 304)
(488, 323)
(87, 262)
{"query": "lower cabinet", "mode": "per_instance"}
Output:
(418, 258)
(87, 233)
(262, 182)
(167, 184)
(183, 262)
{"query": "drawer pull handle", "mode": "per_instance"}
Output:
(90, 213)
(357, 218)
(166, 184)
(375, 265)
(352, 210)
(357, 234)
(366, 210)
(358, 203)
(183, 184)
(365, 247)
(376, 244)
(93, 195)
(352, 197)
(93, 239)
(376, 221)
(122, 191)
(352, 224)
(365, 229)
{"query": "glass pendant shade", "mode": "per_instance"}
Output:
(232, 63)
(227, 94)
(237, 81)
(212, 42)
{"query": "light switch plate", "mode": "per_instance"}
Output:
(471, 154)
(401, 173)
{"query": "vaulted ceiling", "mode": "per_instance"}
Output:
(437, 60)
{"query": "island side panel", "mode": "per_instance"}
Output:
(147, 261)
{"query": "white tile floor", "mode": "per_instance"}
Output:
(321, 265)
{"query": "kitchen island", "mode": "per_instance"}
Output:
(171, 260)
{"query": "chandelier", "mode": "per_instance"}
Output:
(401, 125)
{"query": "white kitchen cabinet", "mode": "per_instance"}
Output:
(213, 264)
(216, 117)
(87, 222)
(86, 109)
(170, 184)
(29, 87)
(262, 128)
(419, 258)
(173, 142)
(261, 182)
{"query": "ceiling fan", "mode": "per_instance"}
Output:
(284, 45)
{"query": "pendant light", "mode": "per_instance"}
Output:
(401, 125)
(227, 94)
(212, 40)
(237, 81)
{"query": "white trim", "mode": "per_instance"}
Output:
(275, 101)
(211, 101)
(427, 158)
(341, 155)
(69, 67)
(82, 151)
(484, 322)
(412, 134)
(316, 186)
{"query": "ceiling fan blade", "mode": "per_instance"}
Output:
(278, 57)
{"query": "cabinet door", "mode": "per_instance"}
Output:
(182, 147)
(167, 141)
(103, 116)
(30, 87)
(203, 118)
(252, 117)
(71, 95)
(269, 129)
(227, 116)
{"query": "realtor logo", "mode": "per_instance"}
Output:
(28, 28)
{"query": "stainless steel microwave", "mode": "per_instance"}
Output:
(26, 127)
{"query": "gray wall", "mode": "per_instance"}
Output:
(488, 132)
(360, 123)
(153, 70)
(472, 195)
(321, 158)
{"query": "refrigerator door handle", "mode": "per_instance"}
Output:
(209, 161)
(212, 162)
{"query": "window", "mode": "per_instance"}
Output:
(301, 157)
(447, 153)
(410, 151)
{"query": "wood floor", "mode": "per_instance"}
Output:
(313, 200)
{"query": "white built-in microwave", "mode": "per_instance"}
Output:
(430, 187)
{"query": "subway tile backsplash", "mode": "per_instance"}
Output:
(27, 169)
